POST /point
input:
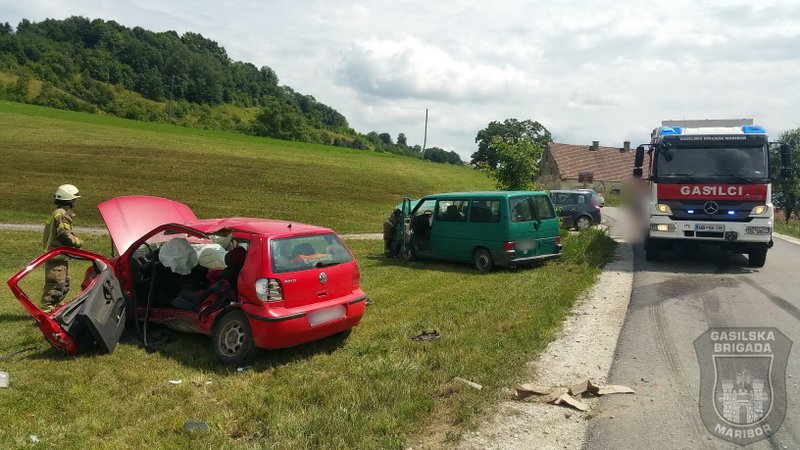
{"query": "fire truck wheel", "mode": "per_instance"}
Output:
(757, 257)
(651, 249)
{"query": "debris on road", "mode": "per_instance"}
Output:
(600, 389)
(562, 395)
(571, 401)
(469, 383)
(426, 336)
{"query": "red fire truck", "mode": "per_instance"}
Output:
(709, 184)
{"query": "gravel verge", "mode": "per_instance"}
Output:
(583, 349)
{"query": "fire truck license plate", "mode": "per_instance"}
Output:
(709, 227)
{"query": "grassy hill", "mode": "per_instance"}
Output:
(217, 173)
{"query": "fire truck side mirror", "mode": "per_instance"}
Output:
(786, 161)
(638, 159)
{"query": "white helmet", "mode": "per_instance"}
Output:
(67, 192)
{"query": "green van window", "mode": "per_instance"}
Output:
(520, 209)
(485, 211)
(542, 208)
(452, 211)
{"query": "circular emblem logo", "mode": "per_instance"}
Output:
(323, 278)
(711, 207)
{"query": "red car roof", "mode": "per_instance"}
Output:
(131, 217)
(266, 227)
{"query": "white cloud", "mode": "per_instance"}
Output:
(408, 68)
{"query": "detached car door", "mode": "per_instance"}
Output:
(93, 310)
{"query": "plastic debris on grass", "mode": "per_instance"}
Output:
(196, 426)
(569, 395)
(175, 382)
(426, 336)
(4, 379)
(468, 383)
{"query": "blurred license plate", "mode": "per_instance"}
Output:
(709, 227)
(326, 315)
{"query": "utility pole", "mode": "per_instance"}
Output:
(425, 137)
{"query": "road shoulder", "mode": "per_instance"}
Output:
(583, 349)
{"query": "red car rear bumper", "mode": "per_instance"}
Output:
(287, 327)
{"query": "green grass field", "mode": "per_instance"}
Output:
(218, 174)
(378, 389)
(792, 227)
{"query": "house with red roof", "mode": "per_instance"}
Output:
(604, 169)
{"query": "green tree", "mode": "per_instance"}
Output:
(386, 139)
(510, 131)
(280, 120)
(786, 191)
(517, 162)
(402, 140)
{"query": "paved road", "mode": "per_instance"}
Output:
(673, 302)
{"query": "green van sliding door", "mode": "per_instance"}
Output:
(548, 225)
(450, 230)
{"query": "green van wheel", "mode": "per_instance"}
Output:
(483, 260)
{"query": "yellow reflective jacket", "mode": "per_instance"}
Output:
(58, 230)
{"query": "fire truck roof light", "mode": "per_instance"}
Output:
(753, 129)
(673, 130)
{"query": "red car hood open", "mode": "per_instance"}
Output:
(129, 218)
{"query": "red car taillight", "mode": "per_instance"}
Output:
(269, 289)
(356, 276)
(509, 248)
(558, 239)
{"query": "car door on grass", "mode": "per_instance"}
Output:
(93, 309)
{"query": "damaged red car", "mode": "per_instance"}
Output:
(247, 283)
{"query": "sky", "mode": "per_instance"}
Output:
(587, 70)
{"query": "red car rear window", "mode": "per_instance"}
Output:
(305, 252)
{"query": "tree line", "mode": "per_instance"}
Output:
(102, 66)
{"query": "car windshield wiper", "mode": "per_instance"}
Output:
(326, 264)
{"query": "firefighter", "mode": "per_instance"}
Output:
(57, 233)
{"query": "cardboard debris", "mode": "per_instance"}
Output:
(600, 389)
(554, 395)
(469, 383)
(527, 389)
(569, 396)
(577, 404)
(579, 388)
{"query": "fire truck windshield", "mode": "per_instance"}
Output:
(713, 165)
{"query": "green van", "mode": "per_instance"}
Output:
(504, 228)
